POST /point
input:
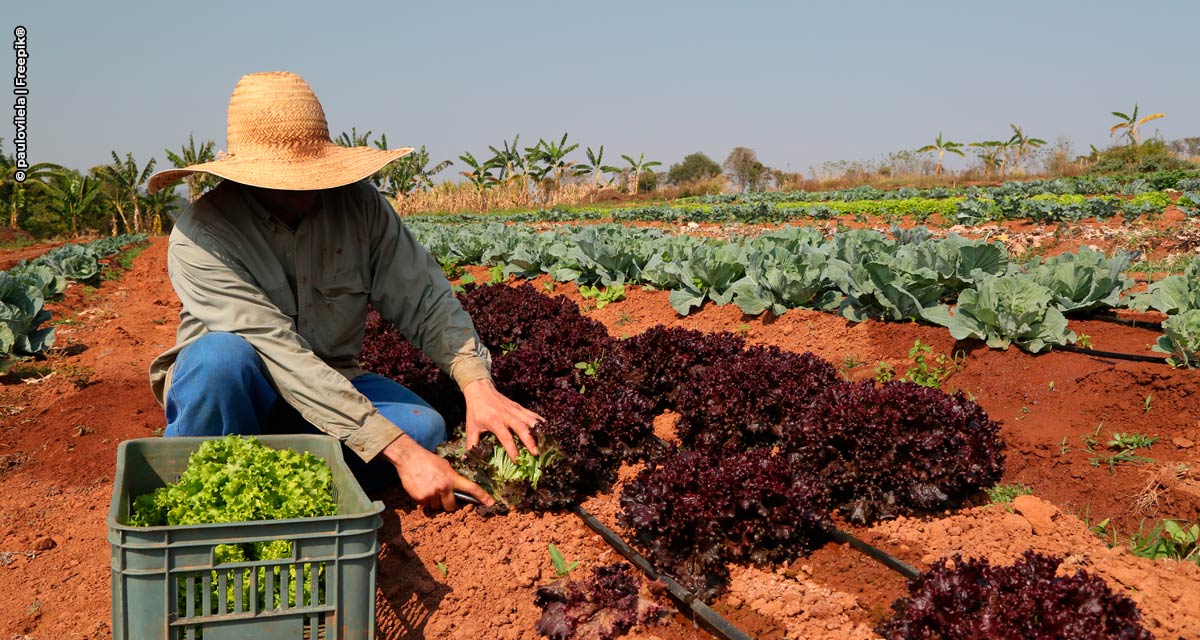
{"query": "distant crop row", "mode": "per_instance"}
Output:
(25, 288)
(971, 287)
(974, 209)
(1080, 185)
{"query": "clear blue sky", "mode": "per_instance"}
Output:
(799, 82)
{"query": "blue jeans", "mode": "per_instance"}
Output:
(219, 386)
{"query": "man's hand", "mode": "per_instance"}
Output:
(488, 410)
(427, 477)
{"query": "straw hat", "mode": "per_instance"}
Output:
(277, 138)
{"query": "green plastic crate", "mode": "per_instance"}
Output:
(166, 584)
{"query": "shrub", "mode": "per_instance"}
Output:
(695, 166)
(1148, 157)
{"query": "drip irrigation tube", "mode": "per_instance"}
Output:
(1135, 357)
(883, 557)
(1129, 322)
(718, 625)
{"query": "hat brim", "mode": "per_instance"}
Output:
(332, 166)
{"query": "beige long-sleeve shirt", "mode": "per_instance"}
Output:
(300, 299)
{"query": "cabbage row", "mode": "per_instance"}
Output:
(25, 288)
(969, 286)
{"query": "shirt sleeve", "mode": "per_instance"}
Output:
(221, 294)
(409, 288)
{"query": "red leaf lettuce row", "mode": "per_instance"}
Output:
(898, 448)
(536, 340)
(604, 606)
(1028, 600)
(742, 400)
(668, 357)
(695, 511)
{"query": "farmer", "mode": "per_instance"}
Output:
(275, 268)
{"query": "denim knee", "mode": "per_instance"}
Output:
(428, 429)
(219, 358)
(218, 387)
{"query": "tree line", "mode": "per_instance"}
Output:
(111, 198)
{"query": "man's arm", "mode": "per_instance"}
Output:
(224, 297)
(409, 288)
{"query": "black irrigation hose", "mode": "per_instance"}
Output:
(1135, 357)
(1147, 324)
(884, 558)
(718, 625)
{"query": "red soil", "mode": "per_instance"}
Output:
(58, 438)
(9, 259)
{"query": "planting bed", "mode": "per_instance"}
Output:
(463, 575)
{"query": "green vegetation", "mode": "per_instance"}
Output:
(276, 484)
(1181, 340)
(972, 287)
(1005, 493)
(942, 147)
(561, 566)
(1170, 539)
(1121, 449)
(694, 167)
(603, 295)
(927, 373)
(1121, 441)
(26, 287)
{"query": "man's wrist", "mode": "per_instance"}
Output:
(478, 385)
(470, 370)
(398, 450)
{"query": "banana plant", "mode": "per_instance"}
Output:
(72, 196)
(637, 167)
(942, 146)
(553, 156)
(408, 174)
(595, 165)
(991, 154)
(127, 180)
(511, 163)
(33, 177)
(157, 206)
(1130, 124)
(1021, 144)
(352, 139)
(197, 183)
(480, 176)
